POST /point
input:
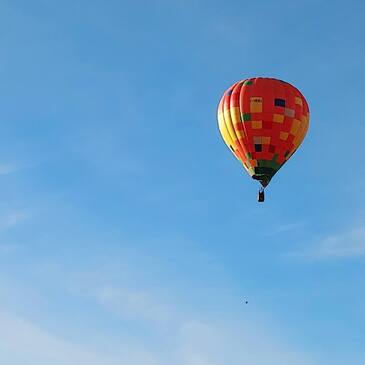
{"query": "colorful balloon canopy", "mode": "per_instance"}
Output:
(263, 121)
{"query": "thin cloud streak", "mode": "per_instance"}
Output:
(218, 343)
(187, 336)
(6, 169)
(12, 168)
(197, 343)
(21, 340)
(288, 227)
(133, 304)
(194, 338)
(345, 245)
(13, 218)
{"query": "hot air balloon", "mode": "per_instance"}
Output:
(263, 121)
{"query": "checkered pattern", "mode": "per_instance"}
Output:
(263, 121)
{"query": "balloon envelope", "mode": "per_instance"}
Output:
(263, 121)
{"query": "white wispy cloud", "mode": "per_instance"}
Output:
(12, 218)
(181, 334)
(133, 304)
(343, 245)
(6, 169)
(23, 342)
(196, 343)
(194, 338)
(287, 227)
(217, 343)
(347, 244)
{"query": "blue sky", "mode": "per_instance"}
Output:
(129, 234)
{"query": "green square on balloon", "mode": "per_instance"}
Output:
(246, 116)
